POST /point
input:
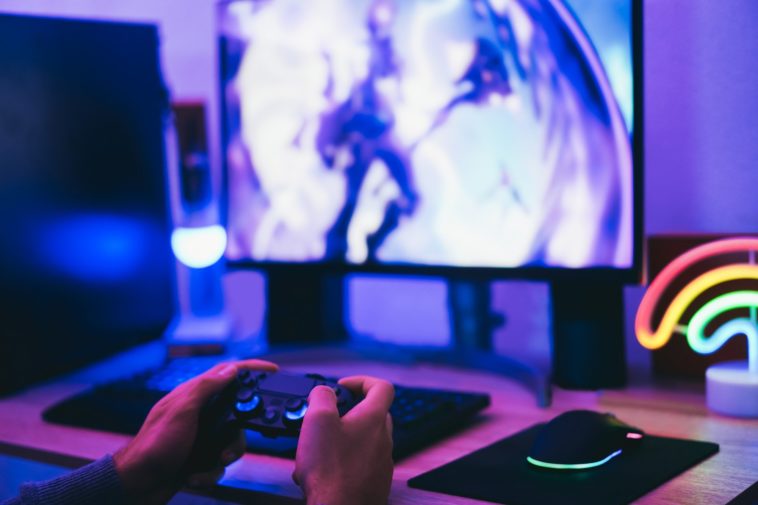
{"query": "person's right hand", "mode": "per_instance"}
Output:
(348, 460)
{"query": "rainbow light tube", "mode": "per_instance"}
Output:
(742, 326)
(655, 339)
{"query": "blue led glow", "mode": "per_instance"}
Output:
(296, 414)
(199, 247)
(93, 247)
(249, 405)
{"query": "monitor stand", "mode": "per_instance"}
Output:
(588, 334)
(304, 305)
(307, 307)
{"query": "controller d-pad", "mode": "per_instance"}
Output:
(246, 379)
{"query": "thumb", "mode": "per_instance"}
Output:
(322, 401)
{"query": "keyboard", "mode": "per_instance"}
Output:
(420, 416)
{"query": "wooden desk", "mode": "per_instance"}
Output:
(263, 479)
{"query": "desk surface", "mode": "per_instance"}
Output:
(264, 479)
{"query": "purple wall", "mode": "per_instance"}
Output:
(701, 149)
(702, 116)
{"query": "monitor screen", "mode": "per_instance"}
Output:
(430, 133)
(85, 257)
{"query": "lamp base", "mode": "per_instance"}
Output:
(732, 390)
(193, 335)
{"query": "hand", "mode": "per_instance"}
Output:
(348, 460)
(154, 465)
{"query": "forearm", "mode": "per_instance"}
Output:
(94, 484)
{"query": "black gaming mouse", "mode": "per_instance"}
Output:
(582, 439)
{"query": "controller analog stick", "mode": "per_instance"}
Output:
(249, 408)
(244, 395)
(295, 412)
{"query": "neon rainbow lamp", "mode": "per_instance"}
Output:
(731, 387)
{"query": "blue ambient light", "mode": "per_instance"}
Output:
(578, 466)
(94, 247)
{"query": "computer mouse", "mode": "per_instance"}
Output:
(582, 439)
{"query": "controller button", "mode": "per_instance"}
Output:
(270, 415)
(296, 416)
(249, 407)
(243, 374)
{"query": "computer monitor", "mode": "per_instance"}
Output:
(473, 139)
(85, 257)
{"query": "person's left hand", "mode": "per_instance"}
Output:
(153, 466)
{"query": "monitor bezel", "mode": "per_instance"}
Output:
(602, 274)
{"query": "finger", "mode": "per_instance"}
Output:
(321, 400)
(257, 364)
(390, 425)
(320, 421)
(234, 451)
(206, 479)
(207, 384)
(378, 393)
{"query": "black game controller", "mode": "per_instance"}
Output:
(275, 403)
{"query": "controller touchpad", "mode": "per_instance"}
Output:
(287, 385)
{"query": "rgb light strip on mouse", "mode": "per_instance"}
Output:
(576, 466)
(695, 329)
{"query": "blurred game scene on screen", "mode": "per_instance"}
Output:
(463, 133)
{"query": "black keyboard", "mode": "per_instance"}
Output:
(420, 416)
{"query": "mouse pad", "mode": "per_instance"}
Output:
(500, 473)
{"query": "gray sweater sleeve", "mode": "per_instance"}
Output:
(94, 484)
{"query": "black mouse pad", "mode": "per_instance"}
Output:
(500, 473)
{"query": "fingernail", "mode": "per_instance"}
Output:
(228, 370)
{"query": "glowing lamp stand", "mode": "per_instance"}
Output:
(731, 387)
(203, 325)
